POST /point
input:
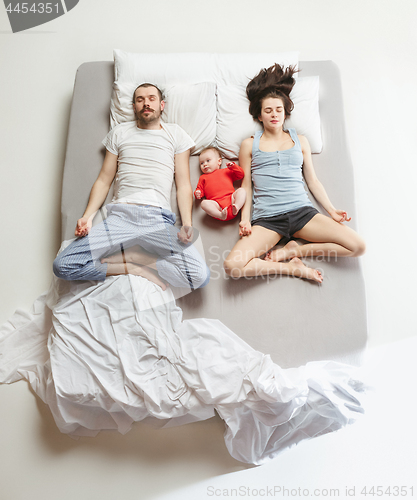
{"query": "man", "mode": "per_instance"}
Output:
(138, 236)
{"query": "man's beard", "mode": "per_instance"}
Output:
(153, 116)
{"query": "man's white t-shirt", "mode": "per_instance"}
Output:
(145, 170)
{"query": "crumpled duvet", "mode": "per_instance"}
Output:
(105, 355)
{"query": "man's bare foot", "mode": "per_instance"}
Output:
(147, 273)
(116, 258)
(137, 255)
(134, 255)
(286, 252)
(300, 270)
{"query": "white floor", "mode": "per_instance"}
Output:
(374, 43)
(191, 462)
(378, 451)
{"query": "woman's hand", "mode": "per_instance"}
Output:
(245, 228)
(340, 216)
(83, 226)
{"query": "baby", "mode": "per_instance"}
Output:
(216, 185)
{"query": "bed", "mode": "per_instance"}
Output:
(170, 361)
(292, 320)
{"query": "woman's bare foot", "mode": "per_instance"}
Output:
(300, 270)
(147, 273)
(286, 252)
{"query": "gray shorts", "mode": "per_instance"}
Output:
(289, 223)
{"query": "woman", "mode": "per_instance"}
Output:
(275, 160)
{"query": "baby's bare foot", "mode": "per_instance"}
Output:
(300, 270)
(286, 252)
(223, 214)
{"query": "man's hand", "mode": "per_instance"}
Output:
(185, 234)
(340, 216)
(83, 226)
(245, 228)
(197, 194)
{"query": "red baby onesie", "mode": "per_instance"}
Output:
(218, 186)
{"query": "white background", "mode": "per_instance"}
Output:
(374, 43)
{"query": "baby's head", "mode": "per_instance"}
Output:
(210, 160)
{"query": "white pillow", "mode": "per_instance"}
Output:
(239, 69)
(234, 123)
(306, 115)
(182, 101)
(191, 67)
(188, 82)
(163, 69)
(194, 108)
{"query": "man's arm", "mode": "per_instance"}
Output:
(184, 194)
(98, 193)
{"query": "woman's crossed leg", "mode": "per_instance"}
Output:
(328, 239)
(245, 258)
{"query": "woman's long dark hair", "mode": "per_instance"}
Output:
(274, 81)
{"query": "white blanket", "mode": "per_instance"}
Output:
(104, 355)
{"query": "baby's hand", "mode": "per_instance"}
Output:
(340, 216)
(197, 194)
(230, 164)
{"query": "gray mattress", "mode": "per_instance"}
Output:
(293, 320)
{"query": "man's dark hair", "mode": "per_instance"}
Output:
(146, 85)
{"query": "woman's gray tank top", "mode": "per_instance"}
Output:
(278, 185)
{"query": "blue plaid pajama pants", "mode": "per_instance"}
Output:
(126, 225)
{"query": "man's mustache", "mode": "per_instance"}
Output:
(147, 109)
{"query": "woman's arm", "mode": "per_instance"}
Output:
(245, 161)
(315, 186)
